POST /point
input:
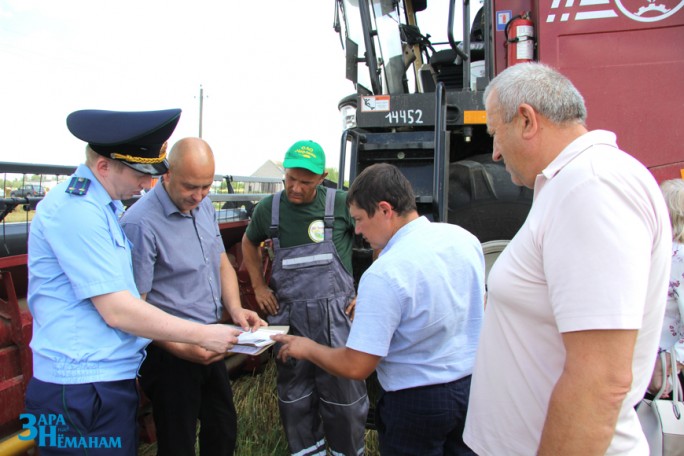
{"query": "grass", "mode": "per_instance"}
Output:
(256, 402)
(19, 215)
(260, 432)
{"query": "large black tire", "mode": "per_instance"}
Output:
(484, 200)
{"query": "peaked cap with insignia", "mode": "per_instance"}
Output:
(137, 138)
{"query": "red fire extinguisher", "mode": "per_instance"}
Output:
(519, 34)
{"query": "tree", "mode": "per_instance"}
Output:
(333, 174)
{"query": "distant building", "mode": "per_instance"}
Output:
(270, 169)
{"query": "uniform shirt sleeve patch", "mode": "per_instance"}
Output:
(317, 231)
(78, 186)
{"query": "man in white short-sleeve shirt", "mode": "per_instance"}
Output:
(576, 300)
(418, 317)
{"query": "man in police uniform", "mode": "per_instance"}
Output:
(312, 234)
(90, 328)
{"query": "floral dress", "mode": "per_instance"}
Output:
(673, 326)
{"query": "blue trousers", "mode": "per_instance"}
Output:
(83, 419)
(424, 421)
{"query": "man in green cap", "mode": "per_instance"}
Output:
(312, 291)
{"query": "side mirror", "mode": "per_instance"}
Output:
(352, 59)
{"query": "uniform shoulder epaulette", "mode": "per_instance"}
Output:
(78, 186)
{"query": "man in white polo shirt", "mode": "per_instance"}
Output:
(576, 300)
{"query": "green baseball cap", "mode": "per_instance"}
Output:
(305, 154)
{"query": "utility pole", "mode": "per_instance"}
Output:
(201, 100)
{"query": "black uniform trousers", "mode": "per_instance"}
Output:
(182, 393)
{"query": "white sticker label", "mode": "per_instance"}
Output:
(378, 103)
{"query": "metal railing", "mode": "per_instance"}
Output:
(234, 198)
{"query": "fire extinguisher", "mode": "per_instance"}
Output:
(519, 32)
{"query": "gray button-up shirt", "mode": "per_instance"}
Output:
(176, 256)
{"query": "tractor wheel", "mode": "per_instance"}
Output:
(484, 201)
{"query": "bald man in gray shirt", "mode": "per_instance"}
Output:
(181, 266)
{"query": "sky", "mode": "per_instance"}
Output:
(272, 73)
